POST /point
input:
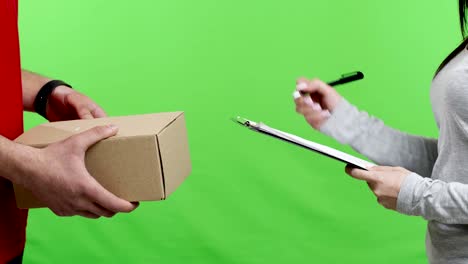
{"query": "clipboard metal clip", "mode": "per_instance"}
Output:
(244, 122)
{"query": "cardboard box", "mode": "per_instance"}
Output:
(146, 161)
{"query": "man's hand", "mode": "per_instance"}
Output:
(385, 182)
(57, 176)
(65, 103)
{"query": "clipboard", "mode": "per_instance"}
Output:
(310, 145)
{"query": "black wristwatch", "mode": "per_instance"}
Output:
(42, 96)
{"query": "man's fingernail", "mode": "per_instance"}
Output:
(112, 127)
(301, 86)
(296, 94)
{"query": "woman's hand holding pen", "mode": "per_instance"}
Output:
(315, 100)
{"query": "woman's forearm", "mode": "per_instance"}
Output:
(445, 202)
(382, 144)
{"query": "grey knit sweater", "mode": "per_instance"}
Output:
(438, 187)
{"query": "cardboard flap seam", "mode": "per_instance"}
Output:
(170, 123)
(43, 145)
(162, 168)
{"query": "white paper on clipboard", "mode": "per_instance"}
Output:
(319, 148)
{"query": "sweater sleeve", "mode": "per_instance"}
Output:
(380, 143)
(434, 199)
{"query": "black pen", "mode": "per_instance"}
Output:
(349, 77)
(345, 78)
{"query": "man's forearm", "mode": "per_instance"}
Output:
(32, 83)
(15, 159)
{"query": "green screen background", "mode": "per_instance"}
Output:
(250, 198)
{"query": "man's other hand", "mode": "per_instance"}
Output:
(65, 103)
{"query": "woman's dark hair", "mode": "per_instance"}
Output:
(462, 7)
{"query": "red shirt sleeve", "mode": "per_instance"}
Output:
(12, 220)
